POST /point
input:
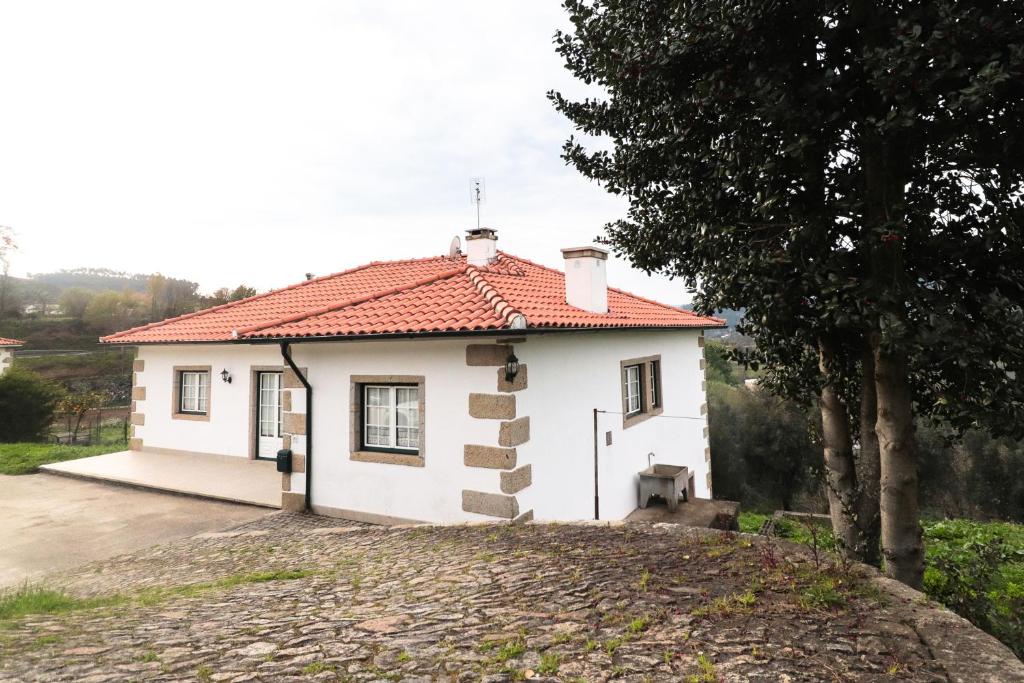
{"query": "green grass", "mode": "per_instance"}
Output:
(25, 458)
(510, 650)
(549, 663)
(705, 671)
(38, 600)
(28, 599)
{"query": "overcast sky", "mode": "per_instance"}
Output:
(230, 142)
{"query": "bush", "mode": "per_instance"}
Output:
(764, 449)
(27, 404)
(977, 570)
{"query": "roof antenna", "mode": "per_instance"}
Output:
(477, 195)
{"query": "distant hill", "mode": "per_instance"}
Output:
(728, 334)
(92, 279)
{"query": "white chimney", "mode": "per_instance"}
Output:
(586, 278)
(481, 246)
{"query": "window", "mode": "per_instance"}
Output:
(391, 417)
(654, 382)
(633, 398)
(641, 389)
(193, 392)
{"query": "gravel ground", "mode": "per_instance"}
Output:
(294, 598)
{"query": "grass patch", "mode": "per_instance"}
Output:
(510, 650)
(27, 599)
(638, 625)
(823, 593)
(37, 600)
(728, 605)
(705, 671)
(25, 458)
(548, 664)
(314, 668)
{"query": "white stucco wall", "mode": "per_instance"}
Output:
(573, 373)
(570, 374)
(431, 493)
(6, 358)
(227, 431)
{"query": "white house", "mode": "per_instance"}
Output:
(455, 388)
(7, 347)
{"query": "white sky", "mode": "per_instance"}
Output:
(230, 142)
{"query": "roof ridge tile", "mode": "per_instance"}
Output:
(505, 310)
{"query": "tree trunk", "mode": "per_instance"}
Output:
(868, 465)
(840, 472)
(901, 530)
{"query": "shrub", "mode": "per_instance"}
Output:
(27, 404)
(977, 570)
(764, 449)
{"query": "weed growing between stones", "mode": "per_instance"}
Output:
(548, 664)
(705, 671)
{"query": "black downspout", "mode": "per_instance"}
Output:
(597, 495)
(286, 354)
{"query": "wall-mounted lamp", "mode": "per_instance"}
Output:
(226, 376)
(511, 367)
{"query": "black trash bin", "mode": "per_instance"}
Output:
(284, 460)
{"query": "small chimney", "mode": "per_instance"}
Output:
(586, 278)
(481, 246)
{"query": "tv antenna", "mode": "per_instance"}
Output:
(477, 195)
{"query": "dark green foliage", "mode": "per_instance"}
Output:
(975, 476)
(719, 367)
(27, 403)
(756, 143)
(764, 448)
(49, 332)
(743, 135)
(977, 570)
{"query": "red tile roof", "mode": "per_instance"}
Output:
(10, 342)
(439, 294)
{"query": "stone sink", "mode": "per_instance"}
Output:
(668, 481)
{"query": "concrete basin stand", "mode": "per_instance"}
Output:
(667, 481)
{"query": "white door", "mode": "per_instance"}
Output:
(268, 412)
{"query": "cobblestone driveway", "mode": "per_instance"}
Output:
(492, 603)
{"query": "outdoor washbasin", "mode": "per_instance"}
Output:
(668, 481)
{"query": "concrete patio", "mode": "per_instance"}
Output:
(238, 480)
(699, 512)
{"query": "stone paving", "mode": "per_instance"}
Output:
(295, 600)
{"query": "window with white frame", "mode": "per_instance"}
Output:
(634, 402)
(391, 417)
(193, 392)
(641, 389)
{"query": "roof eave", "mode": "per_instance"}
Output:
(495, 332)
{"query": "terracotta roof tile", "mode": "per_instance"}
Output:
(408, 297)
(4, 341)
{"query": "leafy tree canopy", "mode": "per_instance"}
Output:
(836, 168)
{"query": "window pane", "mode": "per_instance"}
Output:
(632, 388)
(408, 408)
(655, 383)
(377, 415)
(194, 391)
(408, 438)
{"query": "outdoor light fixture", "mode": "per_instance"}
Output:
(511, 367)
(226, 376)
